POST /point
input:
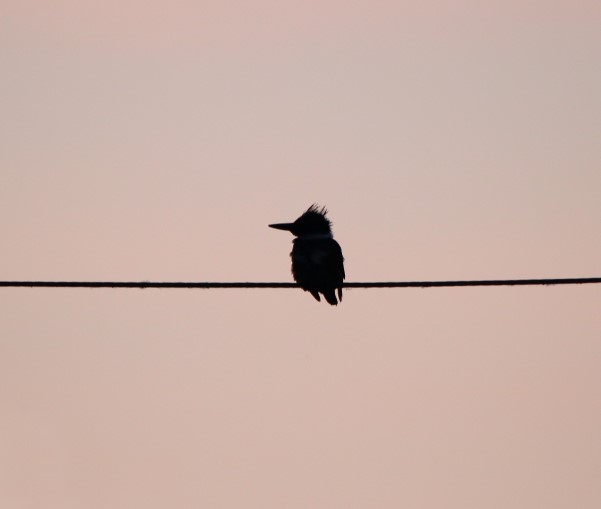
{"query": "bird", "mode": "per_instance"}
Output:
(317, 261)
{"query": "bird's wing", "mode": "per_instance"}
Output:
(336, 260)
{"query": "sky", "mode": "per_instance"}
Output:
(155, 141)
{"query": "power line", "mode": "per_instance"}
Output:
(377, 284)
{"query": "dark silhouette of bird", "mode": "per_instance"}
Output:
(317, 261)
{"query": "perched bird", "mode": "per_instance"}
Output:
(317, 261)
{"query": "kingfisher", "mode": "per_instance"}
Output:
(317, 261)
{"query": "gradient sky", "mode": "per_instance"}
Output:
(156, 140)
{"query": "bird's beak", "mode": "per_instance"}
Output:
(282, 226)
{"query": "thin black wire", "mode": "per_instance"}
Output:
(383, 284)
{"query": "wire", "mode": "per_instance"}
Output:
(383, 284)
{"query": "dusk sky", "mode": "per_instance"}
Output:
(155, 141)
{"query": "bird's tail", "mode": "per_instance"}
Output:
(331, 297)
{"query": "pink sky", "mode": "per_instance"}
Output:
(156, 141)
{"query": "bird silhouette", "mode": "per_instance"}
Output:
(317, 261)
